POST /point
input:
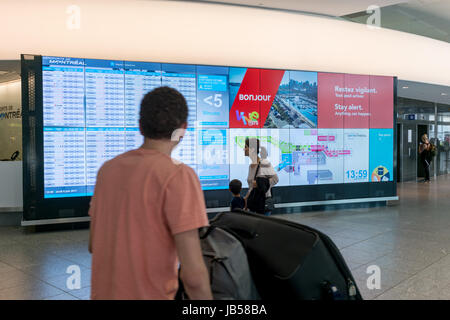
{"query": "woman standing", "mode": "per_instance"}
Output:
(259, 167)
(425, 156)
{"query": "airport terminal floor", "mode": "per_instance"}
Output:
(409, 240)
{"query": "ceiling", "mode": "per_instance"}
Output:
(429, 18)
(423, 91)
(9, 70)
(333, 8)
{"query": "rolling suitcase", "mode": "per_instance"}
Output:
(289, 260)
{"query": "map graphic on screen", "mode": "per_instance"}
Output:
(314, 128)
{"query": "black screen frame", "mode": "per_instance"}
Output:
(36, 207)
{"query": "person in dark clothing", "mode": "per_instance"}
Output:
(259, 195)
(235, 188)
(425, 156)
(256, 202)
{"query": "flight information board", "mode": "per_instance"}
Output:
(315, 128)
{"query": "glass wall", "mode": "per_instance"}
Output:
(10, 120)
(437, 118)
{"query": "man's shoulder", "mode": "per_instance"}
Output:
(118, 159)
(165, 165)
(181, 168)
(161, 167)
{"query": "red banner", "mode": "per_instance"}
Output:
(328, 102)
(382, 102)
(254, 98)
(354, 101)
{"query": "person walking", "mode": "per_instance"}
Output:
(146, 211)
(425, 156)
(260, 167)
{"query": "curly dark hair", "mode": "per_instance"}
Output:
(163, 110)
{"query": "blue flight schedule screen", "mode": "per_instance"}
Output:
(140, 78)
(64, 162)
(182, 77)
(102, 144)
(91, 115)
(105, 83)
(212, 97)
(63, 91)
(213, 161)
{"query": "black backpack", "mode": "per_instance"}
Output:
(256, 201)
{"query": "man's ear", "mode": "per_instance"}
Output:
(178, 134)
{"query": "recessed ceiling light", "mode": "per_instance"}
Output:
(405, 87)
(443, 94)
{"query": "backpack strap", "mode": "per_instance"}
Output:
(257, 169)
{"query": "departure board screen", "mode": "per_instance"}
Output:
(315, 128)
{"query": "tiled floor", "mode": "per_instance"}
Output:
(34, 265)
(409, 241)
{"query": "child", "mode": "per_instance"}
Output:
(235, 188)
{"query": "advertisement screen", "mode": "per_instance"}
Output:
(314, 128)
(381, 153)
(356, 162)
(330, 143)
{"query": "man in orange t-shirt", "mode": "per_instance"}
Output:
(146, 211)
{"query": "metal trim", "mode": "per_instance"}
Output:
(53, 221)
(341, 201)
(315, 203)
(220, 209)
(214, 210)
(11, 209)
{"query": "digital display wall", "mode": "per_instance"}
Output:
(318, 128)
